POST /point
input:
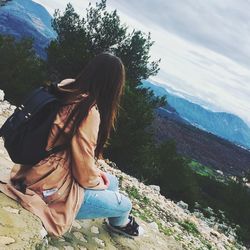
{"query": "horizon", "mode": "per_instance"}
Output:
(207, 66)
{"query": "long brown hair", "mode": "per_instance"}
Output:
(103, 81)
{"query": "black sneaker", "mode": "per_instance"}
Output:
(132, 229)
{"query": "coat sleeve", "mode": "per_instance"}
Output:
(83, 145)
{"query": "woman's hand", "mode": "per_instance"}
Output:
(103, 184)
(105, 178)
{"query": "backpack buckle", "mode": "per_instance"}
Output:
(21, 107)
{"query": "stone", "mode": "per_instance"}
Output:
(76, 224)
(11, 210)
(99, 242)
(4, 240)
(155, 188)
(231, 239)
(219, 172)
(43, 232)
(182, 205)
(94, 230)
(80, 236)
(68, 248)
(113, 165)
(214, 233)
(136, 207)
(154, 226)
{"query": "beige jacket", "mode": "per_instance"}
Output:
(55, 185)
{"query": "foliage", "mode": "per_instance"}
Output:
(229, 196)
(175, 177)
(190, 227)
(79, 39)
(20, 68)
(133, 192)
(131, 145)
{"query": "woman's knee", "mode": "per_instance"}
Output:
(125, 203)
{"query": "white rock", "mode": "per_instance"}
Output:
(79, 236)
(76, 225)
(43, 232)
(155, 188)
(219, 172)
(11, 210)
(99, 241)
(182, 204)
(94, 230)
(136, 206)
(4, 240)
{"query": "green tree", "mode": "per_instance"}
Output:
(20, 68)
(175, 177)
(79, 39)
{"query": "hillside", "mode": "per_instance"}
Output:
(200, 145)
(167, 225)
(222, 124)
(27, 19)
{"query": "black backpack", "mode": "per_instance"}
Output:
(25, 132)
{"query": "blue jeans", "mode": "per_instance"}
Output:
(107, 203)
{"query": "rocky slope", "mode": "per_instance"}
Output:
(167, 225)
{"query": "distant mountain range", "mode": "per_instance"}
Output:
(224, 125)
(25, 18)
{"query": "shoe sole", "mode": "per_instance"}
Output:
(112, 229)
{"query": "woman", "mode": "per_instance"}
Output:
(68, 184)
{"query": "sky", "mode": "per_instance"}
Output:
(204, 46)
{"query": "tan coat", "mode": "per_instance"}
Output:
(64, 173)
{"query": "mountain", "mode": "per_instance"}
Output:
(25, 18)
(225, 125)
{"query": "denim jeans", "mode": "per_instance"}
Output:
(107, 203)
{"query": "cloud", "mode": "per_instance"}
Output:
(222, 26)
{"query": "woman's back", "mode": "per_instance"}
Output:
(49, 188)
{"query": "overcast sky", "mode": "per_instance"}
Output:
(204, 46)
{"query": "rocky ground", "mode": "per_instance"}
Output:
(167, 225)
